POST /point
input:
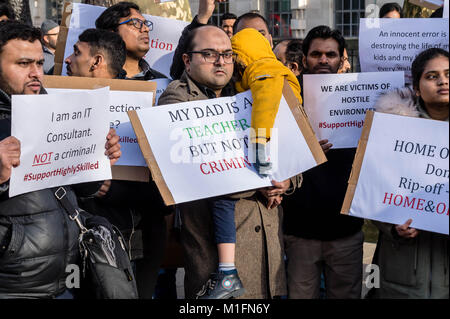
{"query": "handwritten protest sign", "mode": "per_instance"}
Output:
(387, 45)
(163, 38)
(206, 143)
(336, 104)
(401, 171)
(131, 166)
(120, 102)
(62, 139)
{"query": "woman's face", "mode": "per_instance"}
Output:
(433, 85)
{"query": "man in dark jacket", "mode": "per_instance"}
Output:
(125, 19)
(135, 208)
(37, 239)
(319, 239)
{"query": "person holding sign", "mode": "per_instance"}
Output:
(125, 19)
(257, 222)
(318, 238)
(34, 250)
(413, 263)
(101, 54)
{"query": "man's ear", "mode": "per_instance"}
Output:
(45, 39)
(187, 62)
(294, 66)
(305, 66)
(341, 63)
(97, 61)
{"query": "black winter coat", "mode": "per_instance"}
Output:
(37, 239)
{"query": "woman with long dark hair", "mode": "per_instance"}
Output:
(413, 263)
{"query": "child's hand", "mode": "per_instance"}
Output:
(262, 165)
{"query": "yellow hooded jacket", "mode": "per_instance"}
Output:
(264, 75)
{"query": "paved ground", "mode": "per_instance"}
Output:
(369, 250)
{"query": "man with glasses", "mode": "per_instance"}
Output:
(50, 32)
(207, 71)
(125, 19)
(147, 213)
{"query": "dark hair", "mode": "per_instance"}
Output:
(6, 10)
(228, 16)
(110, 44)
(109, 19)
(323, 32)
(11, 30)
(389, 7)
(419, 64)
(294, 52)
(249, 16)
(438, 13)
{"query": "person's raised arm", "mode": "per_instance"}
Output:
(206, 9)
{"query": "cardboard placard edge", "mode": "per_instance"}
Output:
(303, 124)
(150, 159)
(357, 163)
(125, 173)
(62, 37)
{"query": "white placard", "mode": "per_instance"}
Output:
(62, 139)
(120, 102)
(387, 45)
(161, 86)
(201, 147)
(163, 38)
(336, 104)
(405, 173)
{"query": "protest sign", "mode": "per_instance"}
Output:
(387, 45)
(126, 95)
(401, 172)
(206, 143)
(445, 13)
(62, 139)
(163, 38)
(161, 85)
(336, 104)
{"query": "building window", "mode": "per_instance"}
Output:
(54, 10)
(348, 13)
(221, 8)
(279, 18)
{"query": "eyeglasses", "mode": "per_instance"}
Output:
(214, 56)
(138, 23)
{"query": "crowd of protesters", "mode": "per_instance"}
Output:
(281, 241)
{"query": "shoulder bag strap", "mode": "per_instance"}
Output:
(73, 213)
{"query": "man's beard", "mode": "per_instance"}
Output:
(5, 87)
(52, 45)
(308, 70)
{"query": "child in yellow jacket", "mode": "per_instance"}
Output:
(261, 72)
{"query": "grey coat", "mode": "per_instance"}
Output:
(259, 247)
(410, 268)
